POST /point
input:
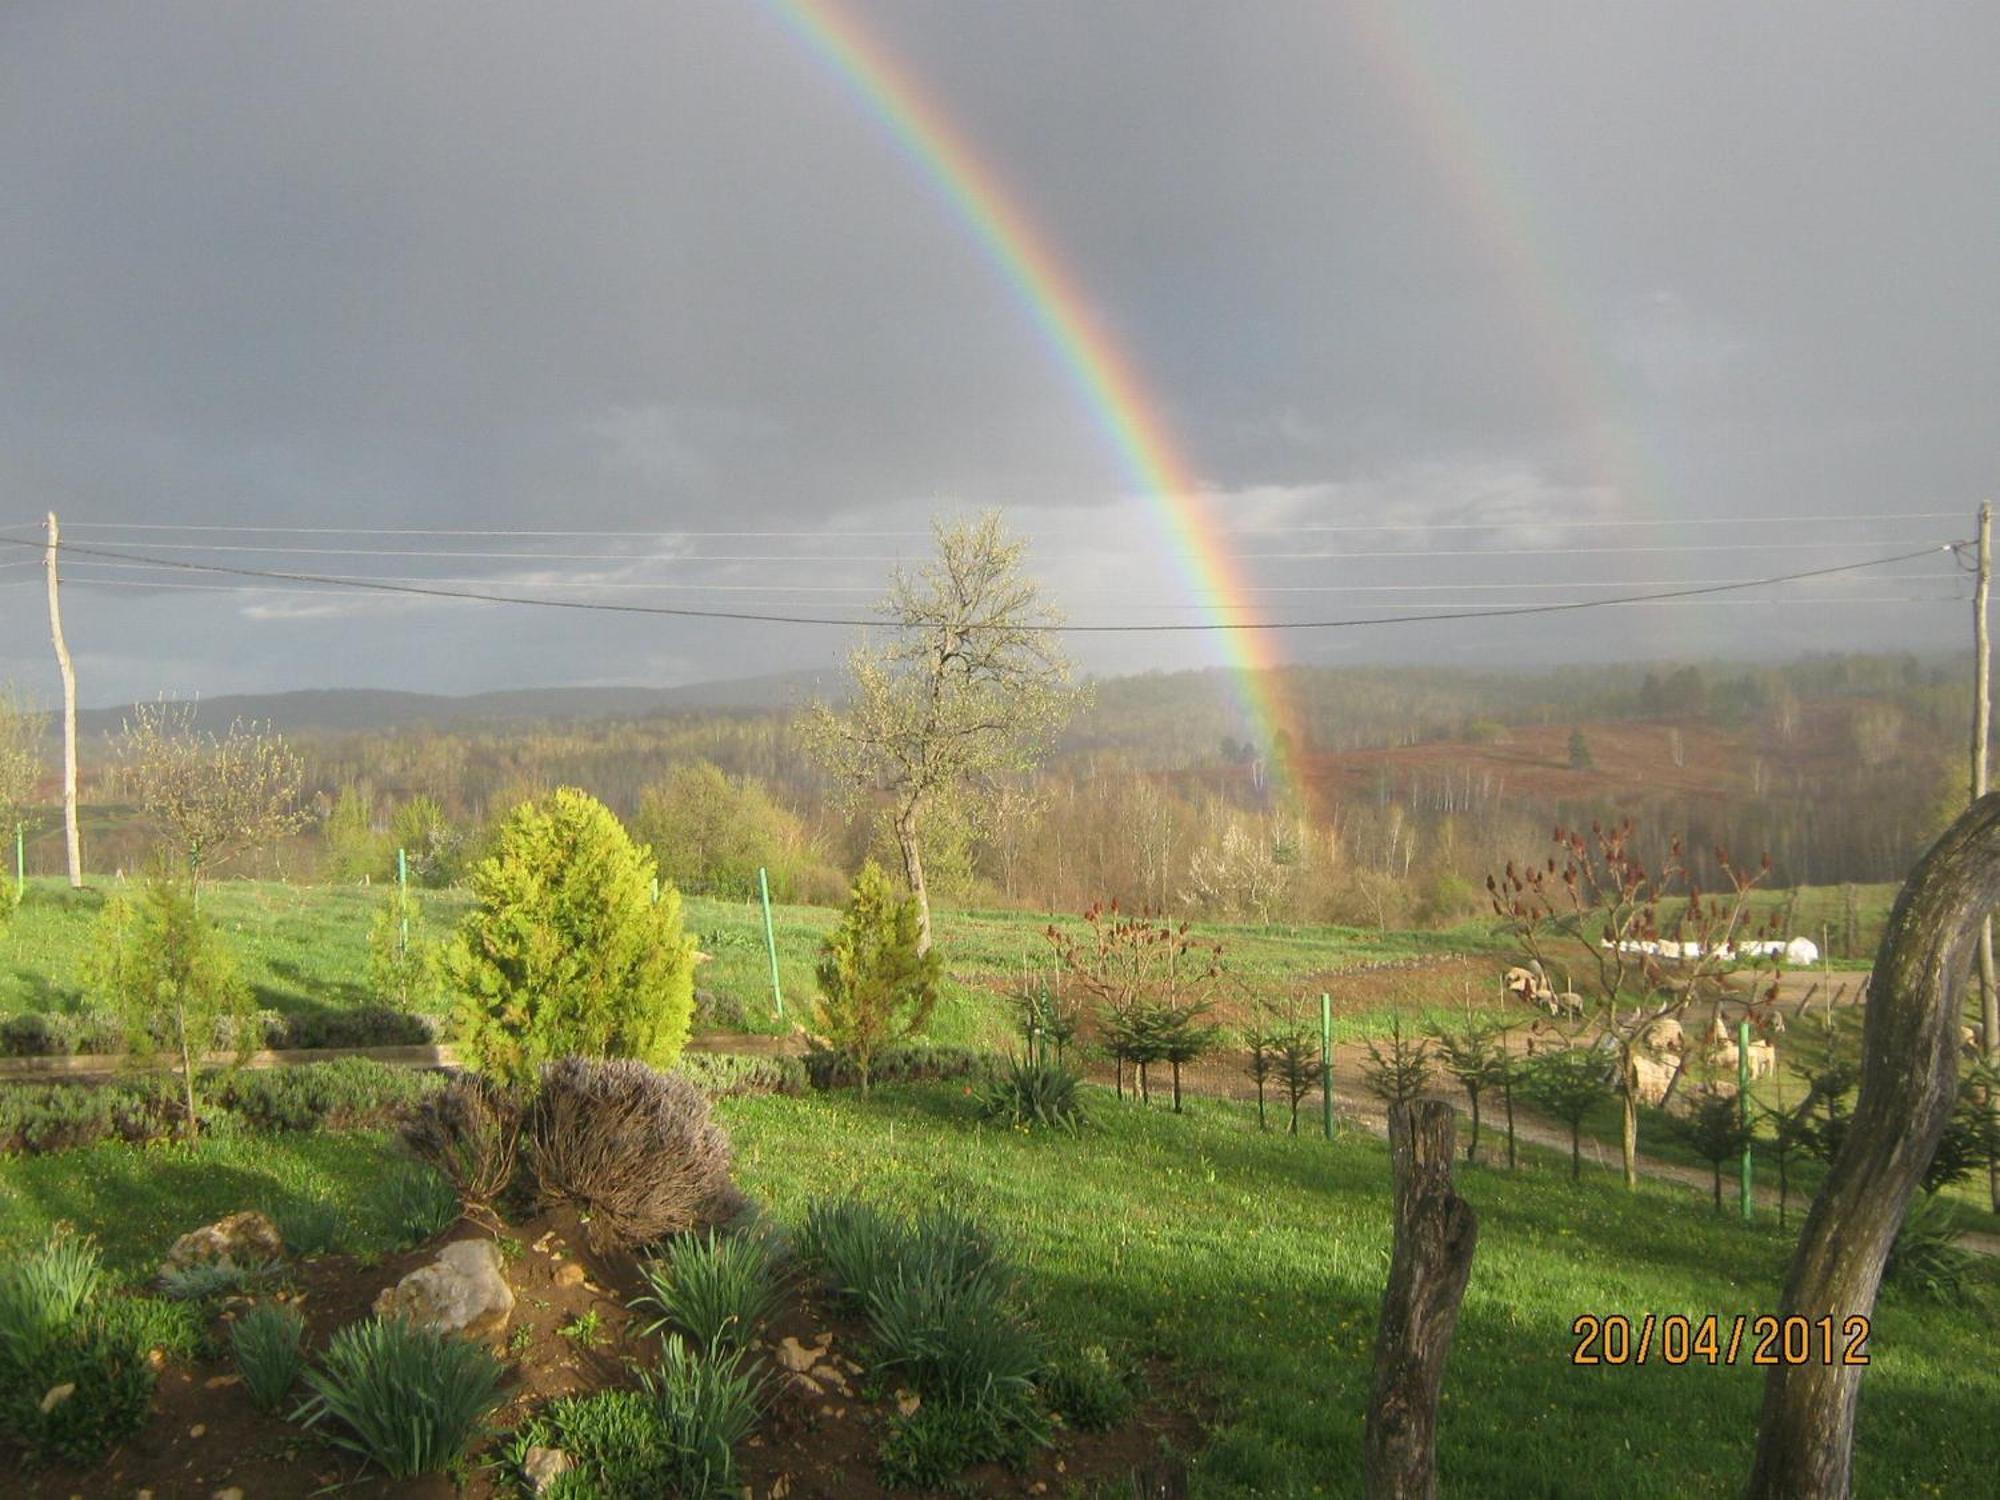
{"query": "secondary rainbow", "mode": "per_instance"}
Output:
(1103, 377)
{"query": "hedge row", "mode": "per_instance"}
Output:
(75, 1033)
(347, 1093)
(357, 1092)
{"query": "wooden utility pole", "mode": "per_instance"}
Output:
(1982, 735)
(70, 835)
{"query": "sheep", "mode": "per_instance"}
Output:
(1652, 1079)
(1663, 1035)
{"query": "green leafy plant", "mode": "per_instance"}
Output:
(176, 1329)
(269, 1344)
(411, 1400)
(417, 1204)
(878, 983)
(1031, 1094)
(585, 1330)
(718, 1291)
(566, 951)
(1087, 1389)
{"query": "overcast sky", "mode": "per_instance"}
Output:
(656, 268)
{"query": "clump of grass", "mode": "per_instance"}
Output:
(676, 1435)
(311, 1226)
(1927, 1259)
(1087, 1389)
(853, 1245)
(411, 1400)
(269, 1344)
(71, 1383)
(708, 1401)
(718, 1291)
(615, 1439)
(417, 1205)
(943, 1315)
(1034, 1095)
(149, 1323)
(207, 1279)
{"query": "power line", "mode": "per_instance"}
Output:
(1184, 627)
(591, 582)
(822, 533)
(1815, 602)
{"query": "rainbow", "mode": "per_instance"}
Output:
(1103, 378)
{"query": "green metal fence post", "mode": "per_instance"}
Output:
(1326, 1064)
(1743, 1108)
(770, 940)
(403, 894)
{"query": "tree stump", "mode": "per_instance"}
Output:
(1436, 1231)
(1909, 1080)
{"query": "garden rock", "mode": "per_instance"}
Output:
(463, 1291)
(240, 1242)
(544, 1466)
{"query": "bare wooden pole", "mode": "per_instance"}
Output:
(71, 837)
(1909, 1080)
(1982, 736)
(1436, 1232)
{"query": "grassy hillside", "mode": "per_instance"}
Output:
(306, 947)
(1244, 1271)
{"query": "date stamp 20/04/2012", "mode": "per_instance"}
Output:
(1718, 1339)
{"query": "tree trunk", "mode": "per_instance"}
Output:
(1260, 1106)
(187, 1069)
(1628, 1118)
(1436, 1232)
(1909, 1081)
(913, 872)
(1472, 1146)
(1507, 1098)
(1177, 1085)
(1576, 1150)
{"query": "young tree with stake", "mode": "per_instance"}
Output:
(211, 796)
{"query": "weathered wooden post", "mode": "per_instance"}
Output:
(1909, 1081)
(1436, 1231)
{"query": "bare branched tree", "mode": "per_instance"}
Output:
(972, 689)
(211, 796)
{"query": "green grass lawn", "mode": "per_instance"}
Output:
(138, 1200)
(1253, 1266)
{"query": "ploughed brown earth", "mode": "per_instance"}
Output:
(206, 1436)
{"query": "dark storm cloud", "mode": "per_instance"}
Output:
(654, 266)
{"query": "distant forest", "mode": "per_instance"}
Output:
(1408, 786)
